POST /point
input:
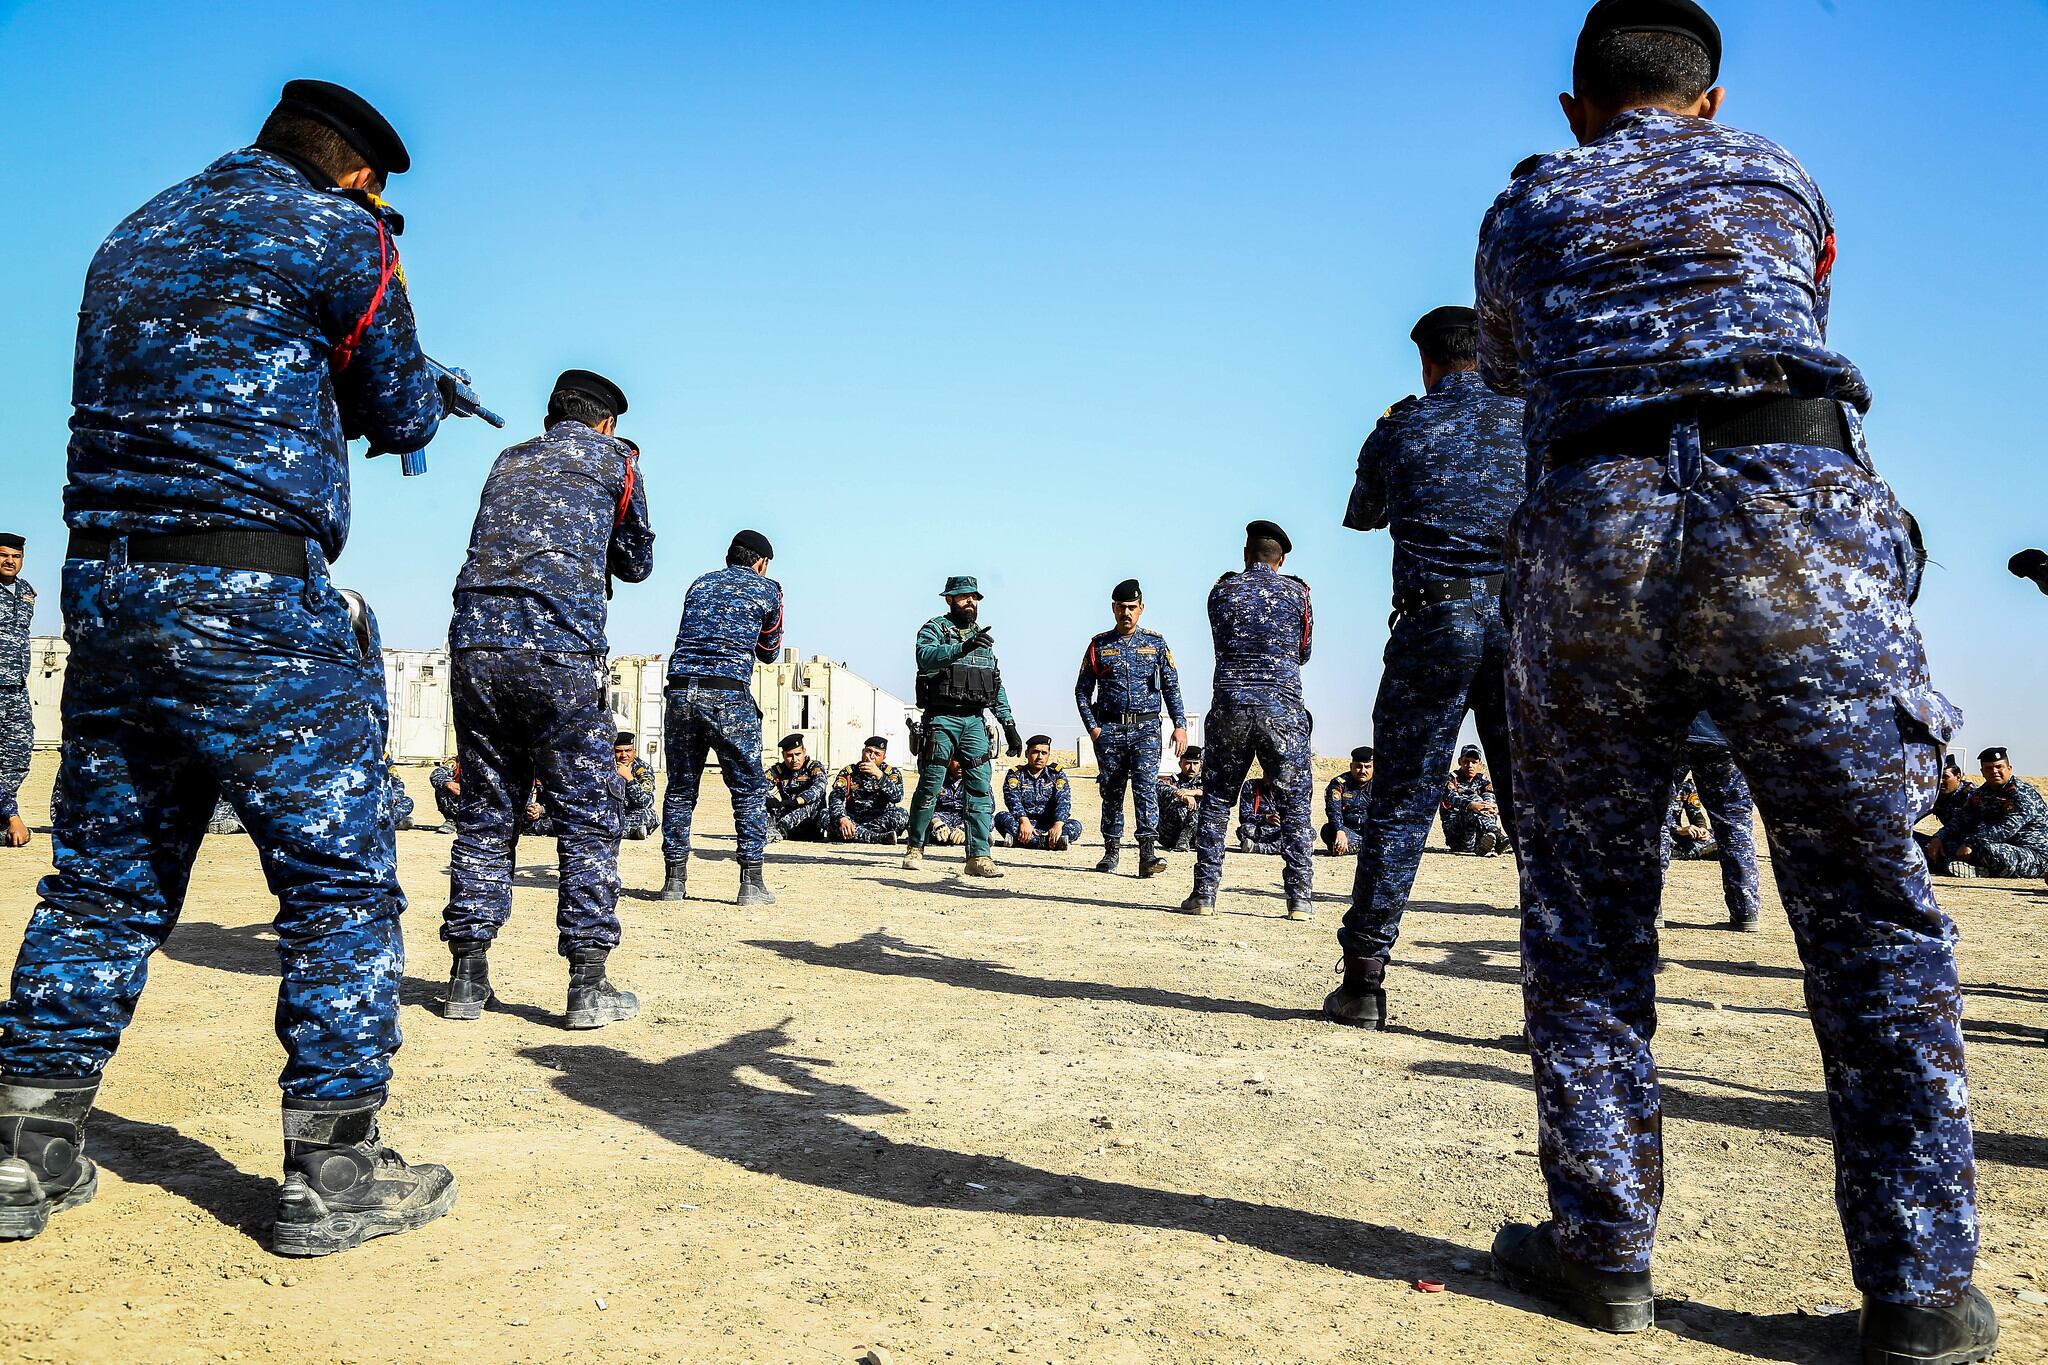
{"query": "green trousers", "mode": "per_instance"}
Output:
(964, 738)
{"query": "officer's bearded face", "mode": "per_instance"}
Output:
(1127, 614)
(1360, 770)
(1190, 766)
(964, 609)
(10, 563)
(1998, 772)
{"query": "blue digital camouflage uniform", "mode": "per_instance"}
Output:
(2006, 830)
(445, 801)
(1443, 473)
(637, 819)
(561, 514)
(1258, 817)
(204, 398)
(1672, 263)
(1263, 629)
(1345, 804)
(1462, 824)
(17, 717)
(797, 800)
(1124, 682)
(1177, 823)
(1687, 813)
(873, 804)
(398, 805)
(731, 617)
(939, 643)
(950, 813)
(1731, 815)
(1046, 799)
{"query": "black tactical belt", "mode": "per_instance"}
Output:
(1446, 590)
(711, 684)
(1130, 718)
(271, 552)
(1723, 426)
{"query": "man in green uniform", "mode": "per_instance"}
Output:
(957, 679)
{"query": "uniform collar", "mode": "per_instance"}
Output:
(1455, 381)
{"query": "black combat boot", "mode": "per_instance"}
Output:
(753, 890)
(1112, 856)
(1484, 846)
(43, 1168)
(1360, 1000)
(1198, 904)
(1527, 1258)
(676, 887)
(343, 1186)
(1150, 864)
(1895, 1334)
(593, 1000)
(1301, 907)
(469, 979)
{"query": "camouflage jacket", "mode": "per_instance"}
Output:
(731, 618)
(1263, 628)
(1042, 798)
(1133, 676)
(804, 787)
(856, 796)
(17, 618)
(1345, 801)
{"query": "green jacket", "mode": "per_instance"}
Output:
(938, 644)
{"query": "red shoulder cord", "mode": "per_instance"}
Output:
(387, 264)
(626, 497)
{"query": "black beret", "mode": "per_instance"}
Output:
(1191, 753)
(1127, 591)
(1450, 318)
(349, 114)
(875, 742)
(790, 742)
(1682, 17)
(754, 543)
(1995, 754)
(1949, 764)
(1268, 530)
(625, 737)
(1470, 751)
(1046, 740)
(595, 386)
(1362, 754)
(12, 541)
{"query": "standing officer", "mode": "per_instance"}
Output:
(957, 679)
(1731, 814)
(1709, 534)
(731, 618)
(1442, 473)
(1345, 802)
(1262, 627)
(796, 794)
(235, 331)
(1126, 674)
(561, 515)
(17, 717)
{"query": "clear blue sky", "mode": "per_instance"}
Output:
(1049, 293)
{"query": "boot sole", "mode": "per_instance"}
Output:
(465, 1009)
(1622, 1318)
(20, 1222)
(672, 895)
(1966, 1355)
(598, 1018)
(754, 900)
(340, 1230)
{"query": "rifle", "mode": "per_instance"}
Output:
(458, 399)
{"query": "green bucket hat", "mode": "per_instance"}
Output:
(961, 585)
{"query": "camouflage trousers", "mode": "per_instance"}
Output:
(878, 827)
(1233, 737)
(1177, 824)
(1262, 839)
(1006, 824)
(184, 684)
(2009, 860)
(1128, 756)
(965, 738)
(1767, 585)
(1731, 814)
(17, 745)
(1442, 660)
(1354, 837)
(797, 822)
(699, 722)
(1462, 829)
(522, 714)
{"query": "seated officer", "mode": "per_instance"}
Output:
(1686, 825)
(397, 802)
(1258, 816)
(1344, 804)
(446, 781)
(949, 818)
(1038, 805)
(1471, 816)
(2003, 831)
(796, 794)
(637, 818)
(1951, 799)
(1180, 800)
(866, 800)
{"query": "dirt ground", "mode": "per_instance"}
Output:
(1036, 1120)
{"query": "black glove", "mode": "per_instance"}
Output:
(1013, 743)
(981, 639)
